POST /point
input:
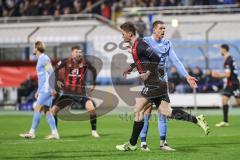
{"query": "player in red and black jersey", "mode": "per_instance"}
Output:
(155, 90)
(231, 86)
(70, 76)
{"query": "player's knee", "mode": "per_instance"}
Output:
(238, 101)
(54, 110)
(148, 109)
(138, 116)
(166, 112)
(138, 109)
(89, 105)
(38, 108)
(92, 112)
(225, 100)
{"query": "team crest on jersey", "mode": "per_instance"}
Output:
(75, 71)
(80, 65)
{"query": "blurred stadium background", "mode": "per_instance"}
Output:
(196, 28)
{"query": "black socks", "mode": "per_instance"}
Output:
(179, 114)
(93, 121)
(56, 120)
(225, 113)
(137, 128)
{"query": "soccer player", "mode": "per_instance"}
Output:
(231, 86)
(155, 90)
(165, 50)
(72, 85)
(43, 94)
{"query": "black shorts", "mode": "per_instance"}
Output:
(155, 94)
(76, 102)
(157, 101)
(231, 91)
(159, 89)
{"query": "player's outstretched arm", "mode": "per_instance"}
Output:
(192, 81)
(176, 62)
(226, 74)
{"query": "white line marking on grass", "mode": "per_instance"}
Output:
(31, 141)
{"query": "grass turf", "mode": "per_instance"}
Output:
(77, 143)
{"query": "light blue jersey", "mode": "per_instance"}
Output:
(44, 70)
(164, 49)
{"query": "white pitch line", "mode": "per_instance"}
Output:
(30, 141)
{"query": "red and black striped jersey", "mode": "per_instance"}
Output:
(145, 59)
(231, 66)
(73, 75)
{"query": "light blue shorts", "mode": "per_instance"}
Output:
(44, 99)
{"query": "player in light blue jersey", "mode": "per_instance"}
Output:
(43, 94)
(165, 50)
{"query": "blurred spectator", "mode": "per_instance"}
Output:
(57, 13)
(210, 84)
(9, 8)
(48, 7)
(172, 3)
(189, 70)
(105, 11)
(163, 3)
(152, 3)
(198, 74)
(174, 77)
(66, 10)
(78, 6)
(27, 89)
(141, 27)
(142, 3)
(5, 94)
(238, 3)
(35, 8)
(89, 6)
(24, 6)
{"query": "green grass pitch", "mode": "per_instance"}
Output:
(77, 143)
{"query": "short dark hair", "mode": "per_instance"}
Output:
(128, 27)
(40, 46)
(75, 47)
(155, 23)
(225, 46)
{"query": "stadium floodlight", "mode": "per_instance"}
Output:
(175, 23)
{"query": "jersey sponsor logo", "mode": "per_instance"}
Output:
(76, 71)
(236, 93)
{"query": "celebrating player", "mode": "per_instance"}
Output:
(70, 77)
(155, 90)
(231, 87)
(165, 50)
(43, 94)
